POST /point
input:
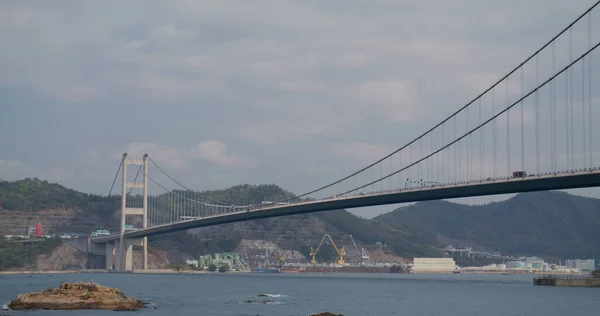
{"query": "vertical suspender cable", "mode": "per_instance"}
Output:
(400, 175)
(495, 125)
(553, 101)
(409, 163)
(571, 105)
(590, 90)
(551, 85)
(392, 170)
(455, 153)
(468, 151)
(567, 127)
(583, 153)
(430, 176)
(443, 156)
(507, 131)
(522, 125)
(480, 145)
(148, 211)
(421, 157)
(537, 116)
(381, 176)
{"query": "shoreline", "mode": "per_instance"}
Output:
(170, 271)
(154, 271)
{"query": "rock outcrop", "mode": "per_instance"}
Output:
(64, 255)
(326, 314)
(77, 296)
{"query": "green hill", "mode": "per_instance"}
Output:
(35, 195)
(548, 224)
(299, 232)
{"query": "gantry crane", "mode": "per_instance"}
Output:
(282, 258)
(363, 254)
(341, 252)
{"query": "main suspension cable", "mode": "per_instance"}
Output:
(481, 125)
(183, 186)
(115, 179)
(455, 113)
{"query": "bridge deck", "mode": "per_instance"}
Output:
(516, 185)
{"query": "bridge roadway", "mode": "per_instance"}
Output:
(567, 180)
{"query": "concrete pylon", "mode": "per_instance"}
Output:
(124, 253)
(145, 220)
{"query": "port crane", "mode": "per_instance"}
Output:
(341, 252)
(363, 254)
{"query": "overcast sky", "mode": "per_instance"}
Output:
(296, 93)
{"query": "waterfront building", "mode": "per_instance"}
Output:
(231, 259)
(433, 265)
(583, 265)
(515, 265)
(537, 265)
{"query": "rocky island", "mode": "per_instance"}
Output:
(69, 296)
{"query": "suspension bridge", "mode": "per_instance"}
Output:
(532, 130)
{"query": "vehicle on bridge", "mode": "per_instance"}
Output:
(519, 174)
(101, 232)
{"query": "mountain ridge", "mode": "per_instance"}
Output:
(550, 224)
(297, 231)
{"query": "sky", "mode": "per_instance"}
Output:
(219, 93)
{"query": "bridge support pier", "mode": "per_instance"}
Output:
(124, 258)
(114, 260)
(110, 253)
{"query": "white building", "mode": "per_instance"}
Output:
(515, 264)
(423, 265)
(583, 265)
(531, 260)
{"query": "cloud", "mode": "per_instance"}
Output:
(79, 93)
(300, 85)
(397, 100)
(216, 152)
(320, 86)
(359, 153)
(277, 132)
(176, 158)
(15, 170)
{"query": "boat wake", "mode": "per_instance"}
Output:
(274, 295)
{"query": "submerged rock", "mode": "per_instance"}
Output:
(77, 296)
(326, 314)
(263, 301)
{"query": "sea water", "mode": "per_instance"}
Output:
(305, 293)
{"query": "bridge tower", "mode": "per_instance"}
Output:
(124, 255)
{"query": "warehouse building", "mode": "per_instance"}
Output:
(424, 265)
(583, 265)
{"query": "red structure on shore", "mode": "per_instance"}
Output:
(38, 230)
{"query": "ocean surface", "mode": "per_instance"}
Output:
(303, 294)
